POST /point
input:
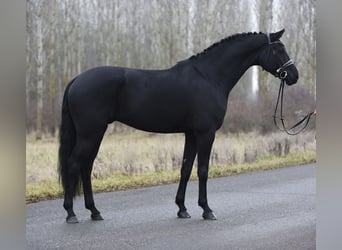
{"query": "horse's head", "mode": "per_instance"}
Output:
(275, 59)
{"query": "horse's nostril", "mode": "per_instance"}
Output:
(295, 78)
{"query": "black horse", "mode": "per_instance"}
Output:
(190, 98)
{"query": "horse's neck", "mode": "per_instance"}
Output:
(225, 67)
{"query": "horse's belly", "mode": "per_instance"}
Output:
(155, 120)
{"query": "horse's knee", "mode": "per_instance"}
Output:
(185, 177)
(202, 174)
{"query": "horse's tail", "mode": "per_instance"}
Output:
(67, 141)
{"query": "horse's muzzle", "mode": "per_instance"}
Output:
(292, 75)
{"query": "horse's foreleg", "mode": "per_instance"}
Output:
(188, 160)
(204, 143)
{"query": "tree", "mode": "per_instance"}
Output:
(67, 37)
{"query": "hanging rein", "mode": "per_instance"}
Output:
(281, 73)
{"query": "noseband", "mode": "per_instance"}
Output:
(281, 73)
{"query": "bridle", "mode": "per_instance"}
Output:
(281, 73)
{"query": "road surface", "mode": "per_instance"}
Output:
(272, 209)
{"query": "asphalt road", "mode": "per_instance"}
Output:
(262, 210)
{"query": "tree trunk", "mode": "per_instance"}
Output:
(39, 78)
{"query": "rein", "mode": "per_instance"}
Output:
(288, 131)
(281, 73)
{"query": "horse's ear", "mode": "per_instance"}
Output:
(276, 36)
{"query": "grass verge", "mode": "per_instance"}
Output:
(51, 189)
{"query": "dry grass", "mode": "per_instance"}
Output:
(140, 159)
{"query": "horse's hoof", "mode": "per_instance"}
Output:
(183, 215)
(209, 216)
(72, 219)
(96, 217)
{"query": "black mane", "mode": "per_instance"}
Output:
(225, 40)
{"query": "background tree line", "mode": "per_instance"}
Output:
(66, 37)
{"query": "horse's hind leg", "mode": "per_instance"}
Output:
(81, 162)
(90, 150)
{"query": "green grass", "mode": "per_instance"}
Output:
(138, 159)
(50, 189)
